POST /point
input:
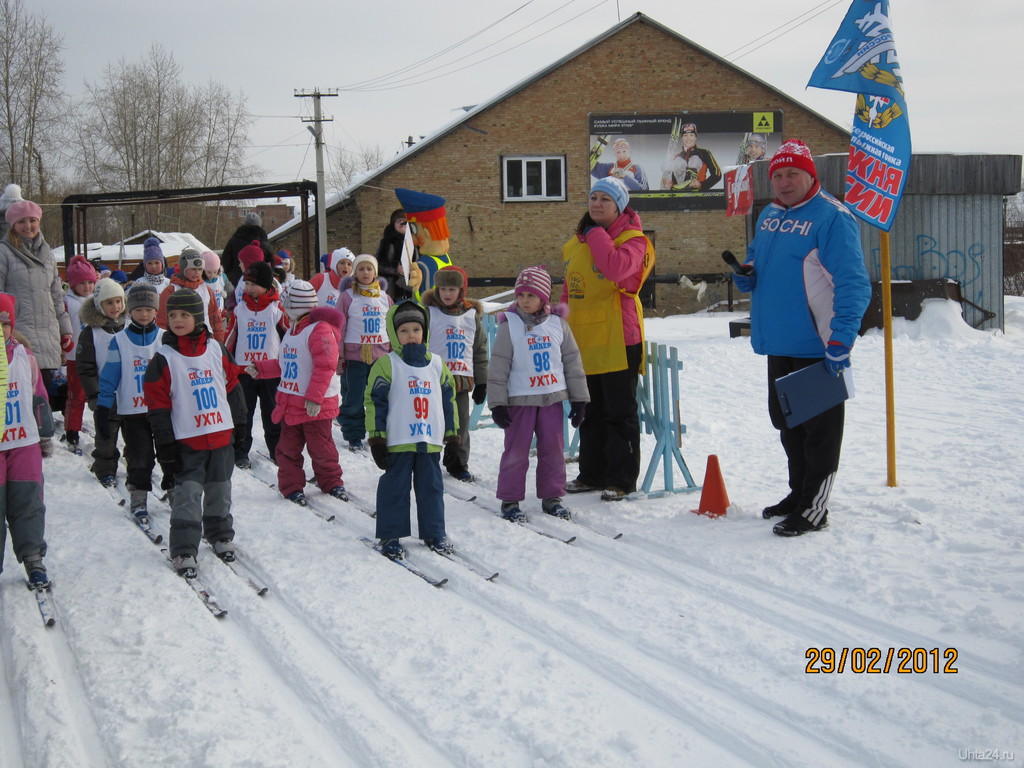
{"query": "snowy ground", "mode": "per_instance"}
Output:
(686, 642)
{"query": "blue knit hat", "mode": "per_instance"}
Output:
(151, 251)
(615, 189)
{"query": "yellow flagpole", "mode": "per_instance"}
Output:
(890, 397)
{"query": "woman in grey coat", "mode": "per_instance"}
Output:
(28, 271)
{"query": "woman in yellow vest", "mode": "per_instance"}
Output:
(606, 263)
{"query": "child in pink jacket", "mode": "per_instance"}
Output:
(26, 441)
(307, 396)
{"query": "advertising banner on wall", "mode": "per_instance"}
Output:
(677, 162)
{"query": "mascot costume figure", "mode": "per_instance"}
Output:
(428, 224)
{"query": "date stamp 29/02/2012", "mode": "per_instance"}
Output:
(881, 661)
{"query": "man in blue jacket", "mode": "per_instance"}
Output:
(809, 290)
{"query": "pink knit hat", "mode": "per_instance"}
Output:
(793, 154)
(211, 261)
(535, 280)
(23, 209)
(80, 270)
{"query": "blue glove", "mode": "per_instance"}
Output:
(837, 357)
(501, 416)
(745, 283)
(576, 413)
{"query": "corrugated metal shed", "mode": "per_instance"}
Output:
(949, 225)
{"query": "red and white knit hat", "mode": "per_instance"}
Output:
(535, 280)
(793, 154)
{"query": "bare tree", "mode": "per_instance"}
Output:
(346, 164)
(143, 128)
(32, 102)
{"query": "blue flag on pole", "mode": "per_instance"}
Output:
(862, 59)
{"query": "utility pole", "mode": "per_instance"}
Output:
(318, 136)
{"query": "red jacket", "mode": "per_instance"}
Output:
(157, 389)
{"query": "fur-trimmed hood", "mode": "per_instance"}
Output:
(347, 280)
(430, 299)
(93, 317)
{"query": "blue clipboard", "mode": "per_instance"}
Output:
(812, 390)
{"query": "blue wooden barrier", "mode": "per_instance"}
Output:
(658, 398)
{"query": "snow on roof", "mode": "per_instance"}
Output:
(171, 243)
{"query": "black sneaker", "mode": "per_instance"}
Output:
(797, 525)
(784, 508)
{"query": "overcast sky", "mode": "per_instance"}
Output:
(960, 60)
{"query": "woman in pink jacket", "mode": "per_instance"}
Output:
(307, 397)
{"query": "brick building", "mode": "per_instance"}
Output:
(546, 125)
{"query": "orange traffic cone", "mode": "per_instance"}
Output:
(714, 499)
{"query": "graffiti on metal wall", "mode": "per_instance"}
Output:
(932, 261)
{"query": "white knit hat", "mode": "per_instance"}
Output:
(338, 255)
(299, 299)
(107, 289)
(365, 257)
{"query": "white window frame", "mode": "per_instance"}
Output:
(522, 160)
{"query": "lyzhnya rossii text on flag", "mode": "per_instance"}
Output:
(862, 59)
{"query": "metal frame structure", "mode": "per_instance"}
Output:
(74, 208)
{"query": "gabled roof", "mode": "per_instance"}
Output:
(333, 200)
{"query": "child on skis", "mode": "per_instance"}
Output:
(256, 335)
(190, 275)
(121, 398)
(101, 317)
(408, 423)
(363, 305)
(307, 395)
(460, 341)
(328, 284)
(191, 390)
(26, 442)
(82, 279)
(535, 365)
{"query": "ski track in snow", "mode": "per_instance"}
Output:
(682, 643)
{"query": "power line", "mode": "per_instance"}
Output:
(406, 84)
(786, 32)
(384, 85)
(358, 85)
